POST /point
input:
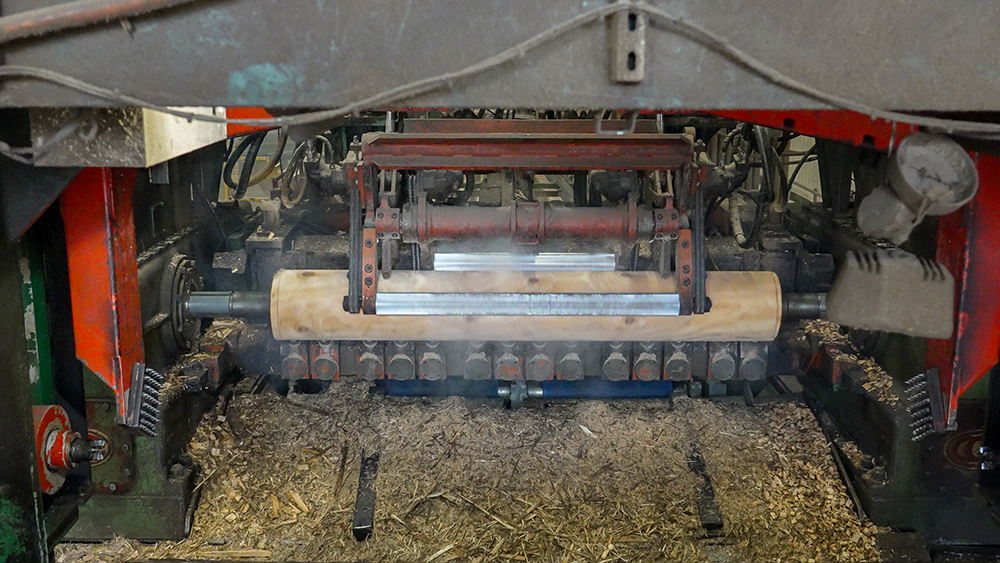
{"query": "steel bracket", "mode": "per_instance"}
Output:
(628, 46)
(685, 271)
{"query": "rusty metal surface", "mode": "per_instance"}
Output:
(532, 222)
(537, 152)
(905, 54)
(103, 275)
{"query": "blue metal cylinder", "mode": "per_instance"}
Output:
(589, 388)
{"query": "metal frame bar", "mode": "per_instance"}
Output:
(968, 245)
(103, 276)
(542, 152)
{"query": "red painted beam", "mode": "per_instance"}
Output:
(103, 275)
(969, 246)
(245, 113)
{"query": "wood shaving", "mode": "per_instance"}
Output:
(465, 480)
(869, 374)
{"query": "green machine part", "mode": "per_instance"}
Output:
(36, 321)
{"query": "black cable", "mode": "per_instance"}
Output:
(231, 159)
(248, 161)
(764, 148)
(805, 158)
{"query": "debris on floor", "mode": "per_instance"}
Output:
(465, 480)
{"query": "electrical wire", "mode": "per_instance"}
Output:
(272, 162)
(247, 171)
(662, 18)
(71, 15)
(805, 158)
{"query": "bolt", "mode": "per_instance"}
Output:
(508, 367)
(369, 366)
(647, 368)
(477, 366)
(432, 366)
(539, 367)
(678, 367)
(570, 367)
(368, 243)
(752, 367)
(615, 367)
(293, 367)
(722, 366)
(325, 367)
(400, 367)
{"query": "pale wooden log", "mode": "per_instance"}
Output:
(308, 305)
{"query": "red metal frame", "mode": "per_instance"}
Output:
(969, 246)
(103, 275)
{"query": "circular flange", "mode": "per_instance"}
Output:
(180, 277)
(52, 438)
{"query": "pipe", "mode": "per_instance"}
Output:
(594, 388)
(530, 222)
(223, 304)
(71, 15)
(590, 388)
(307, 305)
(798, 306)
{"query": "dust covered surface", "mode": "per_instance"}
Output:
(465, 480)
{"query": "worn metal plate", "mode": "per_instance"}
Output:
(902, 54)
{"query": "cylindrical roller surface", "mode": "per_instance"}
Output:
(308, 305)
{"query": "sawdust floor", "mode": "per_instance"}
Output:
(465, 480)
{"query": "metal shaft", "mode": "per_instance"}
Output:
(219, 304)
(795, 306)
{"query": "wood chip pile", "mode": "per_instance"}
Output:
(872, 377)
(465, 480)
